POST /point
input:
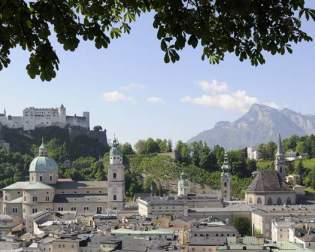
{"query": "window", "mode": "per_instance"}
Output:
(114, 197)
(50, 178)
(114, 175)
(259, 201)
(40, 178)
(34, 210)
(47, 198)
(225, 185)
(73, 209)
(14, 210)
(269, 202)
(34, 199)
(279, 201)
(85, 208)
(289, 201)
(60, 208)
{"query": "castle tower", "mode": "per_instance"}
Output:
(116, 177)
(183, 185)
(226, 179)
(62, 115)
(280, 159)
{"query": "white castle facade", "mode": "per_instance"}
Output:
(44, 117)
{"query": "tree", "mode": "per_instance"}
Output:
(151, 146)
(300, 170)
(140, 147)
(97, 128)
(126, 149)
(243, 225)
(247, 28)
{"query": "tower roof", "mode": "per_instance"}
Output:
(42, 150)
(280, 150)
(114, 151)
(226, 165)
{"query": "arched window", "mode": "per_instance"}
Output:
(114, 175)
(40, 178)
(114, 197)
(289, 202)
(279, 201)
(269, 201)
(259, 202)
(50, 178)
(225, 185)
(250, 201)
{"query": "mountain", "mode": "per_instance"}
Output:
(259, 125)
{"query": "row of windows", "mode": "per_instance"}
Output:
(217, 235)
(270, 201)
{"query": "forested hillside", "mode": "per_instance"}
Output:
(150, 164)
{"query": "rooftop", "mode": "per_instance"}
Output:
(26, 185)
(70, 184)
(268, 181)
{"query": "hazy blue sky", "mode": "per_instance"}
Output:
(130, 91)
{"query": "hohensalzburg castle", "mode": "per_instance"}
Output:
(44, 117)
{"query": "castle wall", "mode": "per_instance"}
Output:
(45, 117)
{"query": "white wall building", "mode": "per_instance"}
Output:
(253, 153)
(44, 117)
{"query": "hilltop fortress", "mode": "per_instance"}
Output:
(45, 117)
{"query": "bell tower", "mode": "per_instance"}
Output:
(280, 159)
(116, 177)
(226, 179)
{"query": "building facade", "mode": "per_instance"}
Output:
(46, 192)
(44, 117)
(183, 187)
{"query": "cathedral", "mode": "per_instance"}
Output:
(45, 191)
(269, 187)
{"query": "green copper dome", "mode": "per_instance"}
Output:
(43, 164)
(114, 151)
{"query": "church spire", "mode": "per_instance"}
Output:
(279, 159)
(42, 150)
(280, 146)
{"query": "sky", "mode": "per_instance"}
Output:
(131, 92)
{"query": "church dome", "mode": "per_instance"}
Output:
(43, 163)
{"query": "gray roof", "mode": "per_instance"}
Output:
(80, 184)
(268, 181)
(26, 185)
(80, 198)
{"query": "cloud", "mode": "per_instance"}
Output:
(132, 87)
(218, 95)
(237, 101)
(115, 96)
(213, 87)
(154, 99)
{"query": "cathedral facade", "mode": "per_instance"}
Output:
(46, 192)
(269, 186)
